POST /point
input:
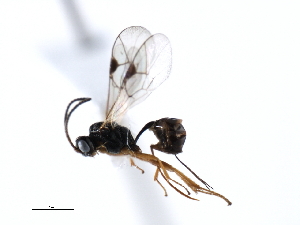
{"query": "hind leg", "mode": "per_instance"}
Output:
(156, 179)
(165, 174)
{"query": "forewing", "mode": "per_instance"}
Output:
(140, 70)
(124, 50)
(152, 64)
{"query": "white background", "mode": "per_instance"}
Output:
(234, 82)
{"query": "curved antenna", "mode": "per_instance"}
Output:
(68, 114)
(206, 184)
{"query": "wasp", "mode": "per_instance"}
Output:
(140, 63)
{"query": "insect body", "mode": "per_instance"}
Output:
(112, 137)
(134, 53)
(140, 63)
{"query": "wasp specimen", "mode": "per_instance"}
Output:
(140, 63)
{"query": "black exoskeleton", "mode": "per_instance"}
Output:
(170, 133)
(112, 136)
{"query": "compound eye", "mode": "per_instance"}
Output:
(83, 146)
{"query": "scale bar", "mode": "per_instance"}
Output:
(52, 209)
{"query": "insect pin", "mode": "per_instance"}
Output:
(140, 63)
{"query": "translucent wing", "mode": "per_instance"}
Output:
(140, 63)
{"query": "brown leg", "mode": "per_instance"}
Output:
(166, 173)
(161, 165)
(133, 164)
(155, 179)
